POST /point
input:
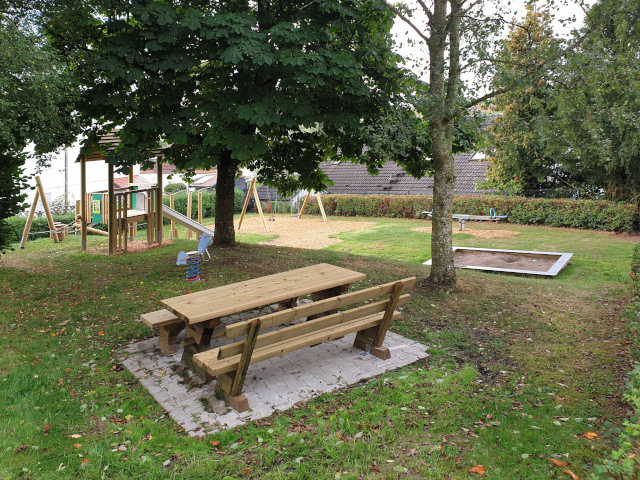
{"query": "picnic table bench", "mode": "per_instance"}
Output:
(200, 312)
(229, 363)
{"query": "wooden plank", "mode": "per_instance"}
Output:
(259, 206)
(216, 367)
(246, 202)
(159, 318)
(310, 327)
(83, 203)
(187, 234)
(295, 313)
(111, 201)
(198, 234)
(206, 304)
(321, 206)
(45, 204)
(304, 204)
(27, 225)
(394, 301)
(245, 358)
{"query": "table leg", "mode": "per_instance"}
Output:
(289, 303)
(198, 340)
(168, 336)
(324, 294)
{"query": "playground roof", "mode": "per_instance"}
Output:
(109, 142)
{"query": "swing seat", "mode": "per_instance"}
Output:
(202, 251)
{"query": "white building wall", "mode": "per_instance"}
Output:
(53, 177)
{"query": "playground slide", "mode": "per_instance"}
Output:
(185, 221)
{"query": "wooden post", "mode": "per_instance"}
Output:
(111, 200)
(304, 204)
(255, 196)
(83, 203)
(47, 212)
(199, 212)
(173, 224)
(159, 201)
(324, 216)
(125, 223)
(150, 217)
(78, 215)
(187, 234)
(27, 226)
(246, 202)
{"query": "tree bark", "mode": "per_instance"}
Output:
(225, 230)
(441, 128)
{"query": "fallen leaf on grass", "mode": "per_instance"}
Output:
(21, 448)
(101, 334)
(46, 427)
(479, 469)
(557, 463)
(77, 445)
(246, 470)
(571, 474)
(590, 435)
(215, 443)
(84, 461)
(75, 435)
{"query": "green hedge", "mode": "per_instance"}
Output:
(624, 461)
(589, 214)
(39, 224)
(208, 203)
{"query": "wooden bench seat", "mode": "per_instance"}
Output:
(169, 325)
(229, 363)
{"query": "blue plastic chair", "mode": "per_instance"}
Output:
(205, 240)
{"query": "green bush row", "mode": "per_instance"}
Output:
(39, 226)
(624, 461)
(180, 201)
(588, 214)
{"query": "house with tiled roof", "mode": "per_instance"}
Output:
(350, 178)
(353, 179)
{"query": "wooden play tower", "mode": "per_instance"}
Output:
(118, 207)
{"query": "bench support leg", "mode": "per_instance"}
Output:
(168, 337)
(289, 303)
(238, 402)
(374, 336)
(323, 295)
(198, 340)
(230, 384)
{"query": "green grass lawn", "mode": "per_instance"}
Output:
(520, 368)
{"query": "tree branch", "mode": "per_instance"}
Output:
(405, 20)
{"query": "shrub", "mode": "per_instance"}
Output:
(39, 226)
(175, 187)
(589, 214)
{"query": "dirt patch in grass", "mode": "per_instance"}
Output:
(307, 232)
(476, 233)
(135, 246)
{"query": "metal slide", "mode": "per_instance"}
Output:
(185, 221)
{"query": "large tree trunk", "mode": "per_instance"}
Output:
(441, 130)
(225, 230)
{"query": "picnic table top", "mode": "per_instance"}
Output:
(234, 298)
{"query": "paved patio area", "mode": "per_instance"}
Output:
(275, 384)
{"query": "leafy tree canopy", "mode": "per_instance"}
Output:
(36, 104)
(273, 86)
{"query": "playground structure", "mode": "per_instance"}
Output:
(254, 191)
(119, 208)
(462, 218)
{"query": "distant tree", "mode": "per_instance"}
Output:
(595, 129)
(273, 86)
(36, 107)
(517, 143)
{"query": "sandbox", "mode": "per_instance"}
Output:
(539, 264)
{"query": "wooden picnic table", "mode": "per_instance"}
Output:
(201, 311)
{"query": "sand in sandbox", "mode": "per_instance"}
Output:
(511, 261)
